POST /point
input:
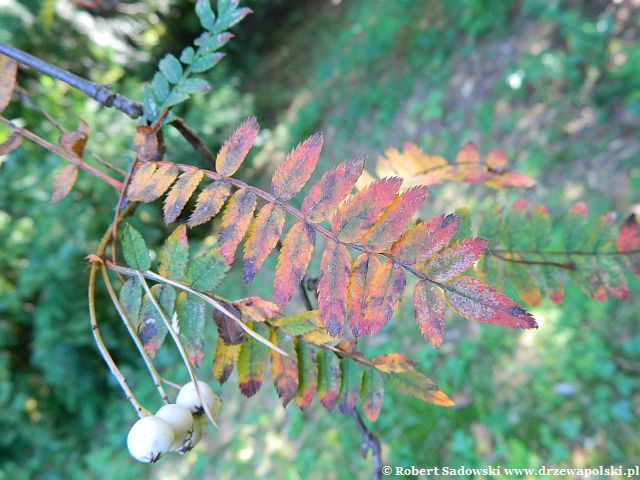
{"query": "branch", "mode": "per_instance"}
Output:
(100, 93)
(370, 442)
(69, 157)
(566, 266)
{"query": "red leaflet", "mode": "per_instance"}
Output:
(296, 169)
(358, 213)
(429, 306)
(325, 196)
(384, 291)
(363, 267)
(455, 259)
(63, 183)
(510, 179)
(210, 202)
(295, 254)
(422, 241)
(235, 222)
(393, 362)
(628, 241)
(262, 239)
(395, 219)
(476, 301)
(333, 287)
(496, 160)
(235, 149)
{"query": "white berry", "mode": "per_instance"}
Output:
(149, 439)
(188, 398)
(180, 420)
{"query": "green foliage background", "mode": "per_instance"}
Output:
(555, 84)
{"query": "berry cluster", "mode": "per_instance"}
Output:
(176, 427)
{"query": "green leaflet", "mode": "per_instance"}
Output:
(207, 270)
(307, 374)
(131, 298)
(191, 318)
(350, 386)
(151, 327)
(329, 376)
(135, 250)
(174, 254)
(372, 394)
(252, 362)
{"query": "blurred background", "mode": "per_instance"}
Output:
(556, 84)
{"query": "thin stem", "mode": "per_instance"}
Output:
(102, 348)
(194, 140)
(207, 298)
(568, 253)
(566, 266)
(171, 384)
(157, 379)
(101, 93)
(115, 371)
(176, 339)
(27, 100)
(370, 442)
(75, 160)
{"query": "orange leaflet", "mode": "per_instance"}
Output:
(422, 241)
(146, 144)
(478, 302)
(429, 306)
(284, 370)
(256, 309)
(75, 142)
(469, 169)
(455, 259)
(384, 292)
(210, 202)
(149, 182)
(510, 179)
(393, 362)
(63, 183)
(224, 360)
(295, 254)
(8, 73)
(325, 196)
(395, 219)
(180, 194)
(359, 212)
(296, 169)
(333, 287)
(263, 236)
(363, 268)
(235, 222)
(414, 165)
(236, 148)
(496, 160)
